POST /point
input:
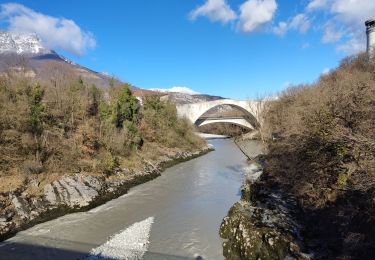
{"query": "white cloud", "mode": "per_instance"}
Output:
(316, 4)
(178, 89)
(215, 10)
(300, 22)
(305, 46)
(345, 23)
(353, 11)
(352, 46)
(281, 28)
(54, 32)
(252, 15)
(256, 13)
(326, 71)
(341, 21)
(331, 34)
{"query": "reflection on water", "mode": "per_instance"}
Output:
(188, 203)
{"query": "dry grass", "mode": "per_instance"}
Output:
(321, 144)
(329, 124)
(11, 183)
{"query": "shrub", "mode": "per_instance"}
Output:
(95, 97)
(124, 107)
(37, 110)
(108, 164)
(160, 124)
(121, 141)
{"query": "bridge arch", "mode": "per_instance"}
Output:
(194, 111)
(248, 116)
(235, 121)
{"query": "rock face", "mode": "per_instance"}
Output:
(260, 226)
(71, 193)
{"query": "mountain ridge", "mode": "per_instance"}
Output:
(26, 50)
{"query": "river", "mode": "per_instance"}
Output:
(179, 214)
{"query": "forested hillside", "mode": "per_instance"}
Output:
(63, 125)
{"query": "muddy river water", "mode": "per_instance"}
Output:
(176, 216)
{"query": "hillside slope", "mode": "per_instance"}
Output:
(322, 154)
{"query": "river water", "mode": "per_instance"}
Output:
(179, 213)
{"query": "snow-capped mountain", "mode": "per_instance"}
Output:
(39, 59)
(21, 43)
(20, 49)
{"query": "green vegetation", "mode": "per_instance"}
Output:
(63, 126)
(321, 144)
(124, 107)
(160, 124)
(37, 110)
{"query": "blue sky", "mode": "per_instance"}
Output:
(234, 48)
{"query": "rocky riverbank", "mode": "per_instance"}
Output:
(262, 224)
(76, 192)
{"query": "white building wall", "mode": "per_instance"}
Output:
(370, 30)
(371, 41)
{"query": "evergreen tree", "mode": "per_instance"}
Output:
(124, 108)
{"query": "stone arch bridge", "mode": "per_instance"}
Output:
(251, 109)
